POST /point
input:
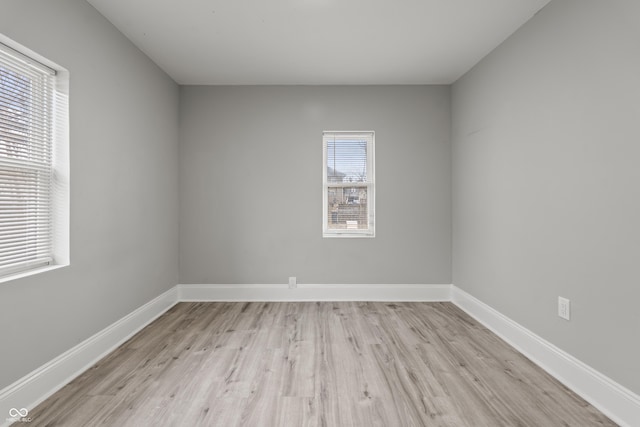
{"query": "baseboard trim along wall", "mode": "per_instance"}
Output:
(618, 403)
(35, 387)
(306, 292)
(612, 399)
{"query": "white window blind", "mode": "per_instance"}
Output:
(26, 141)
(348, 190)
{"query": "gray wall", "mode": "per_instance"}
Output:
(124, 159)
(546, 193)
(251, 184)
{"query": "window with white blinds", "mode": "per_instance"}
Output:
(348, 184)
(27, 127)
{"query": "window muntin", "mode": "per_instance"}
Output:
(348, 184)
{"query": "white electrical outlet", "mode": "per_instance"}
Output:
(292, 282)
(564, 308)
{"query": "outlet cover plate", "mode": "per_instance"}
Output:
(564, 308)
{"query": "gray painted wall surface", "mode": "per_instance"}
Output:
(546, 181)
(124, 214)
(251, 184)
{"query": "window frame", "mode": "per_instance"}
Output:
(369, 184)
(54, 109)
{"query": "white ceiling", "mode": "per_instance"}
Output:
(243, 42)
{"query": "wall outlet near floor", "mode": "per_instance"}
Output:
(564, 308)
(292, 282)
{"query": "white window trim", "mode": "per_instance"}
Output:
(370, 232)
(60, 196)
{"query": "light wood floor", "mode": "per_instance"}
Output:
(315, 364)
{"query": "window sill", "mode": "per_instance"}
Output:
(348, 235)
(28, 273)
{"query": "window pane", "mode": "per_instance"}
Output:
(16, 114)
(347, 209)
(346, 160)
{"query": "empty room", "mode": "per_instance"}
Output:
(319, 213)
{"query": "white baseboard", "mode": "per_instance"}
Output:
(615, 401)
(304, 292)
(36, 386)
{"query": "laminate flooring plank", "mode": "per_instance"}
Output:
(261, 407)
(315, 364)
(299, 375)
(327, 393)
(296, 412)
(365, 385)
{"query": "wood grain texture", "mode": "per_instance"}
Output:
(315, 364)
